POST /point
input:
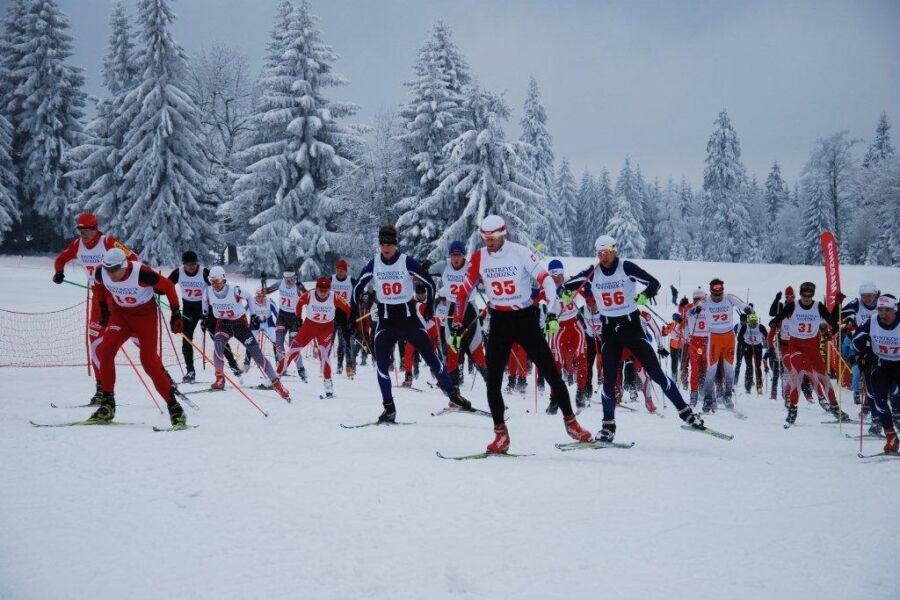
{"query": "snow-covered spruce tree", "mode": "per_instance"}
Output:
(669, 230)
(881, 147)
(831, 175)
(11, 39)
(624, 221)
(94, 162)
(47, 108)
(9, 209)
(539, 162)
(603, 207)
(161, 163)
(759, 228)
(817, 217)
(727, 230)
(565, 212)
(884, 243)
(301, 148)
(646, 212)
(581, 228)
(434, 115)
(775, 193)
(482, 177)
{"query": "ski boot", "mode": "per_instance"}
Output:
(457, 401)
(350, 372)
(407, 380)
(695, 397)
(856, 399)
(824, 404)
(708, 404)
(176, 413)
(729, 403)
(97, 397)
(651, 408)
(791, 415)
(340, 369)
(541, 386)
(632, 394)
(511, 384)
(189, 377)
(301, 373)
(570, 379)
(688, 416)
(608, 432)
(875, 428)
(839, 414)
(329, 389)
(576, 431)
(579, 398)
(282, 391)
(553, 407)
(759, 389)
(416, 369)
(891, 443)
(521, 385)
(219, 383)
(238, 372)
(500, 445)
(389, 414)
(461, 376)
(106, 411)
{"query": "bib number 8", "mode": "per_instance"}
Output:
(504, 288)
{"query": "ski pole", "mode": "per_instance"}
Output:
(227, 378)
(171, 341)
(140, 377)
(87, 327)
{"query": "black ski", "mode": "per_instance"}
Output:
(482, 455)
(835, 422)
(203, 391)
(708, 431)
(376, 423)
(594, 445)
(185, 399)
(885, 455)
(865, 436)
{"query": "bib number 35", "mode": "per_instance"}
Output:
(504, 288)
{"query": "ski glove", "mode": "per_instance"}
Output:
(254, 321)
(641, 299)
(551, 325)
(456, 335)
(58, 277)
(662, 352)
(567, 296)
(175, 322)
(696, 310)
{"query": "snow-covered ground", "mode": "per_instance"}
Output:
(292, 506)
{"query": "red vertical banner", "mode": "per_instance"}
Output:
(832, 268)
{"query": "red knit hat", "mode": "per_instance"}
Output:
(789, 291)
(341, 264)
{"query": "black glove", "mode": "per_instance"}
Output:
(58, 277)
(696, 310)
(364, 298)
(839, 298)
(254, 321)
(767, 354)
(204, 323)
(778, 297)
(748, 310)
(865, 360)
(662, 352)
(175, 322)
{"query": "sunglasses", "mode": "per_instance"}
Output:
(112, 269)
(716, 290)
(807, 295)
(80, 229)
(607, 248)
(492, 236)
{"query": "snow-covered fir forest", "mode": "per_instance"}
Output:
(270, 168)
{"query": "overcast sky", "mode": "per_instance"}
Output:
(646, 79)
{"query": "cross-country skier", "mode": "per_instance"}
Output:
(193, 279)
(454, 276)
(719, 306)
(342, 285)
(593, 327)
(229, 305)
(696, 332)
(805, 320)
(124, 294)
(569, 343)
(610, 286)
(861, 309)
(288, 291)
(431, 328)
(393, 274)
(753, 335)
(878, 343)
(89, 248)
(263, 312)
(322, 306)
(507, 269)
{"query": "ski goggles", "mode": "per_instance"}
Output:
(557, 272)
(492, 235)
(289, 274)
(716, 289)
